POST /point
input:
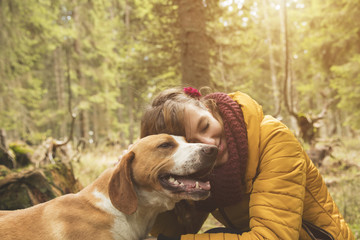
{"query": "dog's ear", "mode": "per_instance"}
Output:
(121, 189)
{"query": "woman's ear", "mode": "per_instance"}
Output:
(121, 188)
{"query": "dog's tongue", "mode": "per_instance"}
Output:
(191, 183)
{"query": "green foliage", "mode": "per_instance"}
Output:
(328, 38)
(347, 83)
(118, 54)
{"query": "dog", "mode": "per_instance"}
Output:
(158, 171)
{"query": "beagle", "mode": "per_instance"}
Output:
(157, 172)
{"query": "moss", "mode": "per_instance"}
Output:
(15, 197)
(56, 167)
(60, 176)
(22, 153)
(48, 176)
(4, 171)
(20, 148)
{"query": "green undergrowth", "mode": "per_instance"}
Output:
(93, 162)
(341, 172)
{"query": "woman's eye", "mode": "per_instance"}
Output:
(205, 127)
(165, 145)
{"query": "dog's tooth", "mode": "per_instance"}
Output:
(197, 184)
(171, 179)
(182, 184)
(176, 182)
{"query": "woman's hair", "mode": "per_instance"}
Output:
(166, 112)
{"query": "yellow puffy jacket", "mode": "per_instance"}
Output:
(284, 190)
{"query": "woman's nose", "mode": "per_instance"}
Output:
(206, 140)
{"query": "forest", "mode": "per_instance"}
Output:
(108, 58)
(83, 71)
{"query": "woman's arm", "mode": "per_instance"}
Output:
(277, 198)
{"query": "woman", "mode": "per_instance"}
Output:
(263, 186)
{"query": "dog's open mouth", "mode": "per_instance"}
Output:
(192, 184)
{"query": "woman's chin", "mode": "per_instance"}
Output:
(223, 158)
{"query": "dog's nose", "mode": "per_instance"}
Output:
(209, 151)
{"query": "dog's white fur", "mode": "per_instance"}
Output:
(121, 204)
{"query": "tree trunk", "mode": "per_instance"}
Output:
(59, 84)
(129, 86)
(80, 77)
(194, 43)
(130, 112)
(3, 143)
(120, 118)
(96, 125)
(24, 189)
(222, 68)
(274, 80)
(7, 158)
(287, 76)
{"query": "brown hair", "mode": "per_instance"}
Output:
(166, 112)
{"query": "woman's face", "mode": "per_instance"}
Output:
(202, 127)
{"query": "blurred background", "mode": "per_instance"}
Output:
(75, 77)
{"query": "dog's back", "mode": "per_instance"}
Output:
(68, 217)
(13, 223)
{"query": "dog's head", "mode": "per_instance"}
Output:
(163, 164)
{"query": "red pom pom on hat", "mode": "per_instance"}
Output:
(192, 92)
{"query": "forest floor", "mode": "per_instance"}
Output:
(341, 172)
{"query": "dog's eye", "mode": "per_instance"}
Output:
(166, 145)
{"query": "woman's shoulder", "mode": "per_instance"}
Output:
(271, 127)
(251, 109)
(242, 98)
(277, 139)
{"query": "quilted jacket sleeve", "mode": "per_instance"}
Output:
(277, 197)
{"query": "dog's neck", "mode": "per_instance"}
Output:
(146, 216)
(159, 201)
(150, 204)
(137, 225)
